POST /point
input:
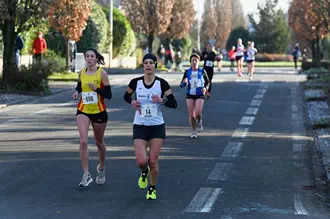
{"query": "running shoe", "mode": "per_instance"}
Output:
(193, 135)
(143, 179)
(100, 177)
(151, 194)
(86, 180)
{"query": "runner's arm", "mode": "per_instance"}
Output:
(169, 99)
(78, 87)
(106, 91)
(207, 80)
(130, 90)
(183, 82)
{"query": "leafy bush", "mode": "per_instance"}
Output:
(58, 63)
(308, 65)
(34, 78)
(124, 39)
(96, 32)
(266, 57)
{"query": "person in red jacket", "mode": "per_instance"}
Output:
(39, 47)
(232, 56)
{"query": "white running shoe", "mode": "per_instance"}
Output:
(100, 177)
(193, 135)
(86, 180)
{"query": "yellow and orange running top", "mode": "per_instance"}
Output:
(91, 102)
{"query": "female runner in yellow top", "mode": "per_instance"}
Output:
(93, 86)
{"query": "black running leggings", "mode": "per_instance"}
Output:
(210, 73)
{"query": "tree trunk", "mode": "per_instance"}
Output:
(150, 41)
(67, 53)
(317, 53)
(9, 37)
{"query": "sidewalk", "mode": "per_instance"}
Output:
(8, 99)
(318, 116)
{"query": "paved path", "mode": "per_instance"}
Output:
(252, 160)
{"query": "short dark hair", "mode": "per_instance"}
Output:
(194, 55)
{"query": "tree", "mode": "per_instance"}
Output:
(209, 25)
(271, 33)
(150, 17)
(183, 14)
(238, 32)
(238, 18)
(310, 21)
(70, 18)
(15, 17)
(223, 10)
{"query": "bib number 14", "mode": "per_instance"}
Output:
(149, 110)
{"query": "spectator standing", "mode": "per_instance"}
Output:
(296, 54)
(19, 45)
(39, 47)
(232, 57)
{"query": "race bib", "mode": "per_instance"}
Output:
(149, 110)
(209, 64)
(195, 83)
(89, 97)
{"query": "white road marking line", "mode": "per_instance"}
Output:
(251, 111)
(298, 206)
(258, 96)
(219, 172)
(209, 204)
(298, 148)
(294, 108)
(267, 80)
(241, 80)
(44, 111)
(255, 102)
(240, 133)
(232, 149)
(261, 91)
(247, 120)
(203, 200)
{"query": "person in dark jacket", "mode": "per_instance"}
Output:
(19, 45)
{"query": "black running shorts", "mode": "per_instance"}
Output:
(195, 97)
(149, 132)
(238, 58)
(101, 117)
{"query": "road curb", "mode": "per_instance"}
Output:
(24, 100)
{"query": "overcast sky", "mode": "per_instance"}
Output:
(249, 6)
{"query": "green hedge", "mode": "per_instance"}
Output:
(124, 39)
(96, 33)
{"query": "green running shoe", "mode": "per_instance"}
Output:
(143, 179)
(151, 194)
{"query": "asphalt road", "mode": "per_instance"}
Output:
(252, 160)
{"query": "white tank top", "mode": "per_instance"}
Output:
(150, 113)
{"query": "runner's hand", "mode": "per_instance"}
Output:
(135, 104)
(204, 90)
(92, 86)
(75, 95)
(156, 99)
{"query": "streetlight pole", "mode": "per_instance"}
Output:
(111, 31)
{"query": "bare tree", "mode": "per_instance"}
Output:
(150, 17)
(183, 14)
(238, 18)
(209, 24)
(223, 10)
